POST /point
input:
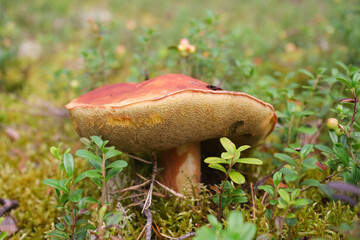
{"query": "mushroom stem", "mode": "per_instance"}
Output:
(182, 165)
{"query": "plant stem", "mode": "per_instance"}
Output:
(103, 194)
(289, 132)
(354, 112)
(222, 190)
(103, 191)
(73, 222)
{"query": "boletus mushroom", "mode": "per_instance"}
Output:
(171, 114)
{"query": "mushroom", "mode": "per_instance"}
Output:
(171, 114)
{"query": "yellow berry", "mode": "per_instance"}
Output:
(332, 123)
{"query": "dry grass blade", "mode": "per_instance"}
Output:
(132, 187)
(170, 190)
(190, 234)
(149, 196)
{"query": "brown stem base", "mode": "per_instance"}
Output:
(182, 165)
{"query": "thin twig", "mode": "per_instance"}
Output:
(136, 195)
(137, 158)
(170, 190)
(140, 203)
(147, 203)
(263, 198)
(149, 196)
(149, 219)
(253, 200)
(143, 178)
(325, 179)
(354, 112)
(132, 187)
(193, 208)
(157, 230)
(141, 233)
(154, 193)
(190, 234)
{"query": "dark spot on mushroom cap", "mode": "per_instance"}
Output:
(234, 127)
(247, 135)
(212, 87)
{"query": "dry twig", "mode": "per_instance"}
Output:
(190, 234)
(132, 187)
(170, 190)
(253, 200)
(137, 158)
(7, 205)
(149, 196)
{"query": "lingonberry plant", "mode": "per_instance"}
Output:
(226, 192)
(75, 221)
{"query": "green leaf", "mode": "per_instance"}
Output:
(285, 158)
(305, 113)
(355, 79)
(237, 154)
(210, 160)
(250, 161)
(344, 81)
(69, 164)
(55, 184)
(113, 218)
(324, 149)
(97, 181)
(305, 150)
(227, 155)
(90, 200)
(288, 171)
(89, 173)
(302, 202)
(285, 195)
(60, 226)
(307, 130)
(98, 141)
(342, 154)
(112, 172)
(268, 213)
(86, 142)
(237, 177)
(342, 65)
(290, 215)
(112, 153)
(117, 164)
(295, 194)
(55, 151)
(228, 145)
(267, 188)
(68, 219)
(94, 160)
(76, 195)
(244, 147)
(3, 235)
(277, 178)
(88, 155)
(291, 221)
(334, 138)
(59, 234)
(307, 73)
(80, 221)
(218, 167)
(311, 182)
(309, 163)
